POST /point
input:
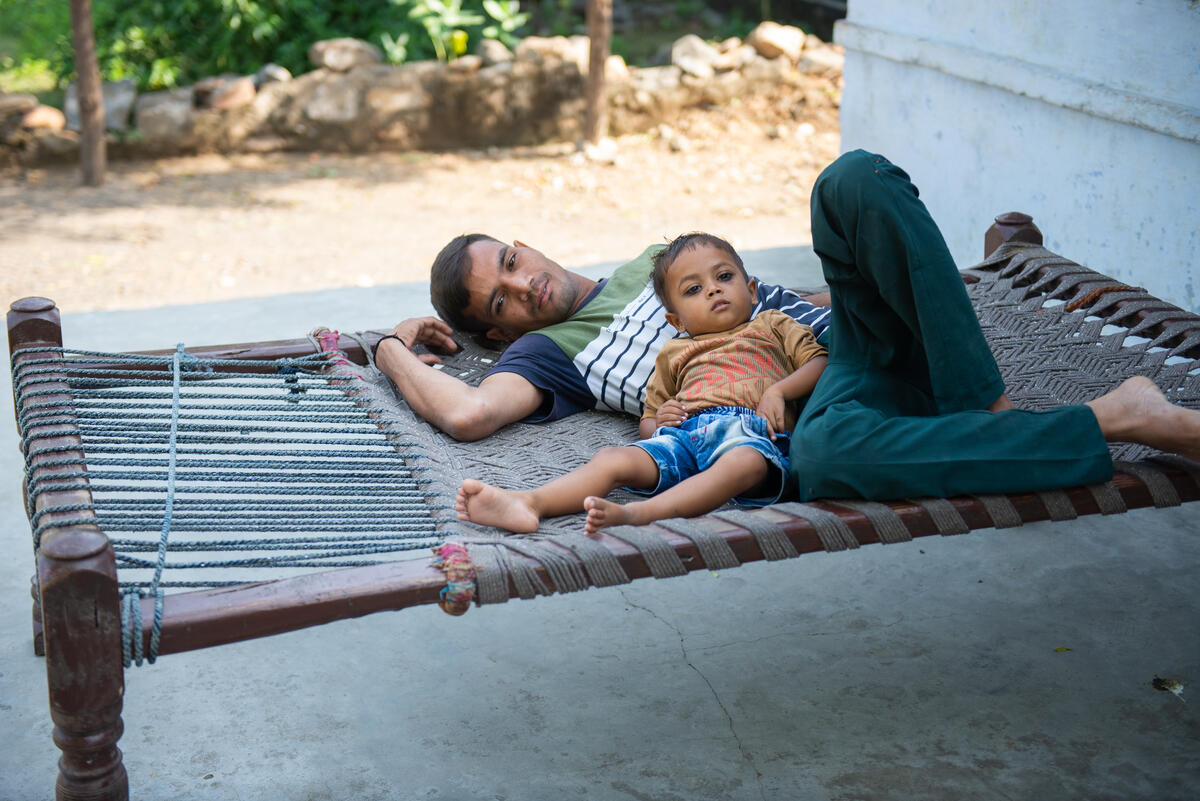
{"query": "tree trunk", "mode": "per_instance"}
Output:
(93, 156)
(599, 24)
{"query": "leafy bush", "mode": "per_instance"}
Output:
(165, 43)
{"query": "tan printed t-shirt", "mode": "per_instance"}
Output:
(731, 368)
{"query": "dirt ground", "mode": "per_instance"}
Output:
(209, 228)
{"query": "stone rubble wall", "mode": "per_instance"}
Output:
(352, 102)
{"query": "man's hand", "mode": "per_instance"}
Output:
(428, 331)
(463, 411)
(671, 414)
(773, 408)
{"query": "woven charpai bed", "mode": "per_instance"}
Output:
(190, 498)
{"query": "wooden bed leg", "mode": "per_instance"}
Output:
(1012, 226)
(81, 614)
(39, 640)
(80, 606)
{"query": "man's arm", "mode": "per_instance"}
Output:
(463, 411)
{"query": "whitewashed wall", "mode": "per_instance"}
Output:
(1083, 113)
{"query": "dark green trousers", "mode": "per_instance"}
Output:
(901, 409)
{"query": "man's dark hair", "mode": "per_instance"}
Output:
(448, 283)
(666, 257)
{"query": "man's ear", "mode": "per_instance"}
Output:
(520, 244)
(674, 320)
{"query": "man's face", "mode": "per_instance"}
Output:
(514, 289)
(708, 292)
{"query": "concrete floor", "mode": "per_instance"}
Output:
(931, 670)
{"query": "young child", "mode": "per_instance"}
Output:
(717, 408)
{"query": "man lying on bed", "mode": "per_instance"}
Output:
(911, 404)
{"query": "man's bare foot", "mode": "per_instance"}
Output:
(491, 506)
(603, 513)
(1137, 411)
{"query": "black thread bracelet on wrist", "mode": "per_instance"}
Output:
(375, 352)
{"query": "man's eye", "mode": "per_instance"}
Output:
(499, 302)
(512, 261)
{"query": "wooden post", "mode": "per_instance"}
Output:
(1012, 226)
(93, 155)
(599, 24)
(80, 601)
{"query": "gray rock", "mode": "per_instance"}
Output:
(271, 73)
(234, 94)
(769, 70)
(118, 97)
(223, 92)
(206, 90)
(822, 60)
(465, 64)
(657, 79)
(343, 54)
(57, 145)
(389, 100)
(616, 70)
(542, 48)
(773, 40)
(163, 117)
(736, 59)
(493, 51)
(695, 56)
(334, 101)
(16, 105)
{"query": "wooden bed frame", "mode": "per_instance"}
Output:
(77, 578)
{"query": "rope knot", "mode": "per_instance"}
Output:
(453, 560)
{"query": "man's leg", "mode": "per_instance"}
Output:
(898, 410)
(733, 474)
(898, 300)
(851, 450)
(521, 510)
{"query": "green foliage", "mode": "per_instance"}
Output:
(166, 43)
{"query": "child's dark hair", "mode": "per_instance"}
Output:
(666, 257)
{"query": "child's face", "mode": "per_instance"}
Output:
(708, 291)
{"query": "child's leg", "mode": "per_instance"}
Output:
(521, 510)
(733, 474)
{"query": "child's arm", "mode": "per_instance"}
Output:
(661, 408)
(798, 384)
(670, 413)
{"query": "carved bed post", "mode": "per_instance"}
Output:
(1012, 226)
(80, 602)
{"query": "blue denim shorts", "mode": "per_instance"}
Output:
(695, 445)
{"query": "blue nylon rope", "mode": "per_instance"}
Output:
(156, 631)
(329, 482)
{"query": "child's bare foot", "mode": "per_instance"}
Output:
(491, 506)
(1137, 411)
(603, 513)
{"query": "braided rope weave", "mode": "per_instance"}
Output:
(1061, 333)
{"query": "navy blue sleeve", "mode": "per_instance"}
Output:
(539, 361)
(791, 304)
